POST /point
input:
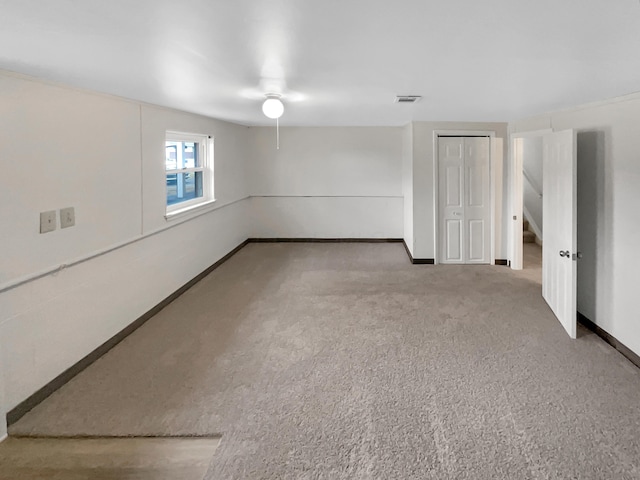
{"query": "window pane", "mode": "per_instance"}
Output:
(181, 155)
(171, 155)
(190, 155)
(183, 186)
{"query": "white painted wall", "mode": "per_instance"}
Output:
(326, 217)
(327, 182)
(608, 201)
(424, 184)
(58, 150)
(104, 156)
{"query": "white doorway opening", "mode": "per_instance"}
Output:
(559, 212)
(525, 182)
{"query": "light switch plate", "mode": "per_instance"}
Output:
(67, 217)
(47, 221)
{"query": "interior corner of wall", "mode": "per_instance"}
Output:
(408, 241)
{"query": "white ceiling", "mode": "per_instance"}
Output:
(337, 62)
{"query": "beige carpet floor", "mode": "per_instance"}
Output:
(344, 361)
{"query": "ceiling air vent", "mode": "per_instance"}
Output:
(407, 98)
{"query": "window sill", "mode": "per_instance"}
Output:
(182, 212)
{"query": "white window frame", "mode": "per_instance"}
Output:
(205, 154)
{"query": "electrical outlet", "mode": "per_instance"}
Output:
(47, 221)
(67, 217)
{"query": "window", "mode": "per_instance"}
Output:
(188, 170)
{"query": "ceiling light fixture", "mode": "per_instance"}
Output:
(272, 106)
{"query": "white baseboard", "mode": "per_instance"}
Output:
(3, 437)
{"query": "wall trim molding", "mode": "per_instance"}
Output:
(326, 196)
(172, 224)
(406, 248)
(610, 339)
(418, 261)
(323, 240)
(423, 261)
(42, 393)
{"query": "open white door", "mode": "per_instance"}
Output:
(559, 248)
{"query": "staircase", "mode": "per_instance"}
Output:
(527, 235)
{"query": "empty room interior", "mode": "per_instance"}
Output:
(319, 240)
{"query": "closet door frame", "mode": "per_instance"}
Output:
(493, 159)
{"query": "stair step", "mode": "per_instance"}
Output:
(528, 237)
